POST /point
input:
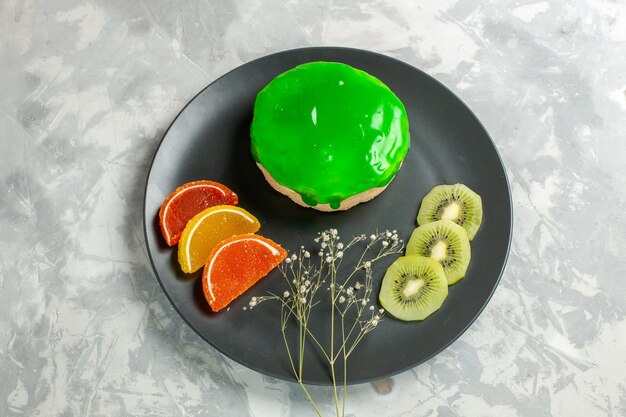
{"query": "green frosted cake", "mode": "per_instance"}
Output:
(328, 135)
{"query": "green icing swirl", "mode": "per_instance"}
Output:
(329, 131)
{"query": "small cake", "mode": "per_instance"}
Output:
(329, 136)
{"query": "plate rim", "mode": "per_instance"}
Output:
(291, 379)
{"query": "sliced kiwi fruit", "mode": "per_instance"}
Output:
(456, 203)
(446, 242)
(413, 288)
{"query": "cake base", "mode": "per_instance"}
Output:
(346, 204)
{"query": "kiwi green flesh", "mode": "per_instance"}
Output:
(446, 242)
(413, 288)
(457, 203)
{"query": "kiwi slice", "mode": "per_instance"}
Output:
(413, 288)
(456, 203)
(446, 242)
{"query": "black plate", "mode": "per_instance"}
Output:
(210, 140)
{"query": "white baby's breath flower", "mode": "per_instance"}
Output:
(381, 311)
(308, 277)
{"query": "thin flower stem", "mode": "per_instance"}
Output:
(299, 377)
(293, 366)
(304, 281)
(333, 277)
(345, 385)
(308, 396)
(345, 367)
(312, 336)
(356, 342)
(347, 338)
(300, 349)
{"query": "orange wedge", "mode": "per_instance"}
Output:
(235, 265)
(208, 228)
(187, 201)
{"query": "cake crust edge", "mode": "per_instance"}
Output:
(346, 204)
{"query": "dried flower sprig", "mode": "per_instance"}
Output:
(350, 301)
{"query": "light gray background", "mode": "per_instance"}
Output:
(86, 92)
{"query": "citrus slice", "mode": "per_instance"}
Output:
(235, 265)
(208, 228)
(187, 201)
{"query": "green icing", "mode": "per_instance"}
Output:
(329, 131)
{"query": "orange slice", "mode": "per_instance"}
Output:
(208, 228)
(187, 201)
(235, 265)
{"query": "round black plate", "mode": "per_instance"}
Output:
(210, 140)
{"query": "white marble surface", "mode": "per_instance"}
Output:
(86, 91)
